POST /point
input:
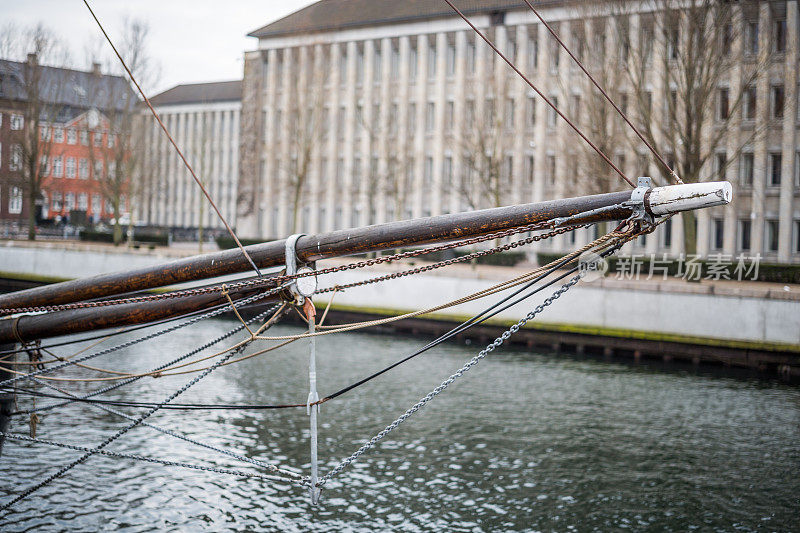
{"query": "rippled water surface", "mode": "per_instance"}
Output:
(523, 442)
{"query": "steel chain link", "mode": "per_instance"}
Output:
(257, 282)
(446, 383)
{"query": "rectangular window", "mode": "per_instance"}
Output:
(359, 65)
(510, 116)
(393, 114)
(797, 169)
(508, 168)
(85, 137)
(451, 59)
(377, 65)
(552, 116)
(744, 235)
(749, 107)
(111, 140)
(428, 175)
(555, 54)
(530, 112)
(449, 116)
(720, 165)
(447, 171)
(727, 39)
(489, 111)
(97, 204)
(576, 105)
(340, 172)
(723, 103)
(342, 68)
(779, 36)
(673, 44)
(746, 166)
(430, 117)
(58, 135)
(56, 202)
(431, 61)
(395, 61)
(412, 63)
(15, 201)
(15, 163)
(340, 122)
(72, 136)
(83, 169)
(777, 97)
(44, 133)
(471, 57)
(666, 236)
(98, 169)
(797, 236)
(775, 162)
(83, 201)
(412, 117)
(58, 166)
(718, 227)
(356, 175)
(17, 122)
(551, 169)
(533, 51)
(70, 168)
(69, 201)
(772, 235)
(751, 38)
(98, 139)
(529, 169)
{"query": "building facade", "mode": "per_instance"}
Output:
(357, 112)
(203, 119)
(57, 116)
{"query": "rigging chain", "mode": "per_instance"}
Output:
(257, 282)
(360, 325)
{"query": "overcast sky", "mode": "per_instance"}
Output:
(192, 40)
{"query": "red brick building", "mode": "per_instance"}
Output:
(77, 143)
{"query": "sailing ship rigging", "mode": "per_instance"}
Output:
(122, 300)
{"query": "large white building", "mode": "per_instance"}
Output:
(203, 118)
(363, 111)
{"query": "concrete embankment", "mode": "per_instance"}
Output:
(748, 324)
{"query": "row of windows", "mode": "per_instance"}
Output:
(745, 234)
(577, 41)
(749, 102)
(72, 167)
(70, 201)
(57, 135)
(774, 171)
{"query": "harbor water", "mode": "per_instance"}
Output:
(523, 442)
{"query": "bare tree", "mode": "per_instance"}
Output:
(117, 157)
(689, 50)
(42, 96)
(485, 144)
(304, 133)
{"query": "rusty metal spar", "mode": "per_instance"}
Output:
(437, 229)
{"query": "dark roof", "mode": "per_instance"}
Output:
(70, 92)
(193, 93)
(330, 15)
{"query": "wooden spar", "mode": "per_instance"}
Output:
(315, 247)
(31, 327)
(660, 200)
